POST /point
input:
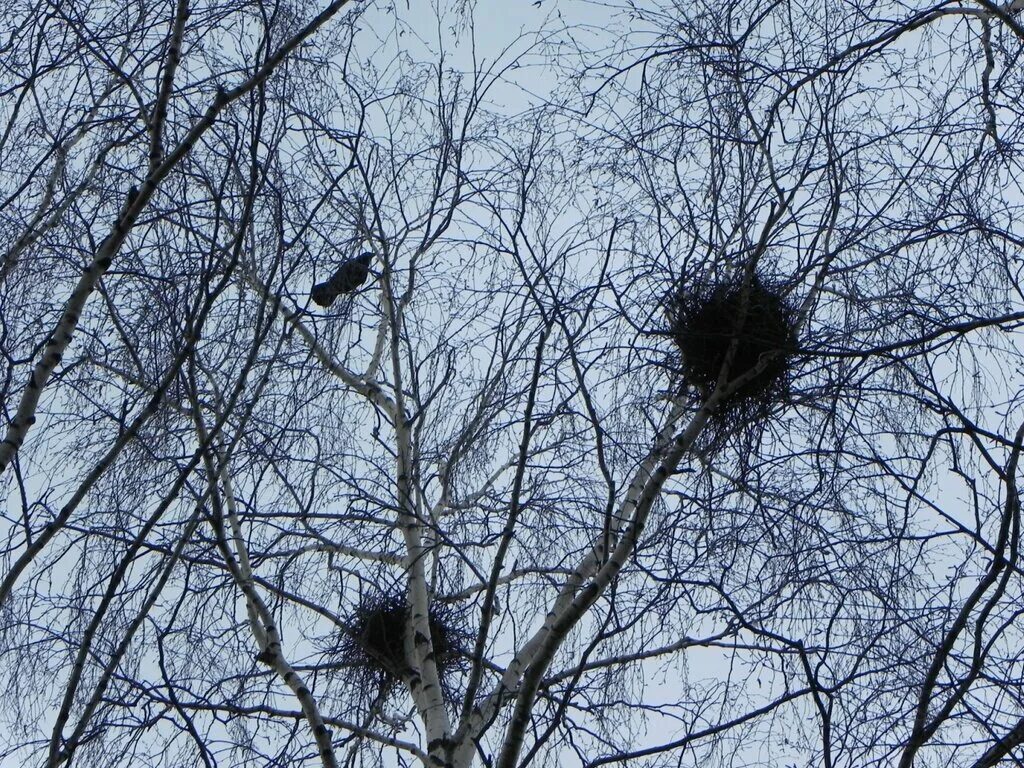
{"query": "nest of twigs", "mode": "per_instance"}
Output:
(373, 644)
(744, 326)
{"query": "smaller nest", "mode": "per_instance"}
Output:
(704, 326)
(373, 645)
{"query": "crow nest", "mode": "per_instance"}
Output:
(745, 323)
(373, 646)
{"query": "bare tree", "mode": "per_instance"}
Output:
(663, 409)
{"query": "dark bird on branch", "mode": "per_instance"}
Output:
(350, 275)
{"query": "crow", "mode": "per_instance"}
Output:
(350, 275)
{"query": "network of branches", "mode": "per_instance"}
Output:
(566, 383)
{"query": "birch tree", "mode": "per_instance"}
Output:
(486, 507)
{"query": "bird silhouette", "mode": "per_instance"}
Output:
(350, 275)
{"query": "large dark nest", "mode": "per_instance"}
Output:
(705, 323)
(373, 645)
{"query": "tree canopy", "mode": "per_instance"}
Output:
(676, 419)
